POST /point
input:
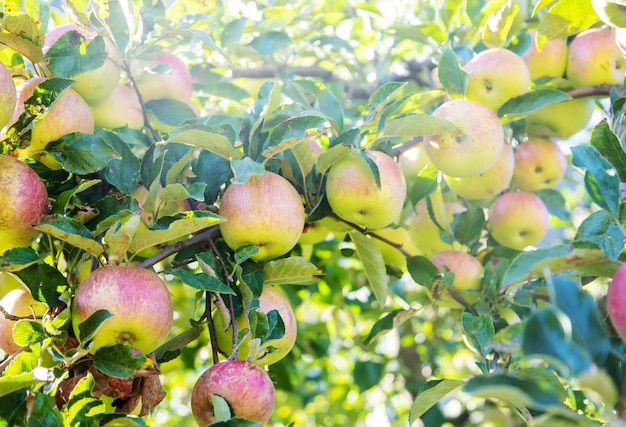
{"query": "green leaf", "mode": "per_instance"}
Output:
(45, 283)
(294, 270)
(202, 281)
(607, 143)
(291, 131)
(204, 137)
(122, 172)
(555, 202)
(418, 125)
(244, 252)
(9, 384)
(389, 321)
(244, 168)
(479, 331)
(373, 264)
(602, 229)
(63, 202)
(24, 34)
(28, 332)
(119, 361)
(82, 153)
(430, 394)
(169, 111)
(523, 105)
(425, 183)
(566, 18)
(268, 43)
(72, 55)
(451, 75)
(367, 374)
(171, 349)
(469, 224)
(383, 95)
(71, 231)
(88, 328)
(236, 422)
(422, 270)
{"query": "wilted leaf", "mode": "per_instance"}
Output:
(23, 34)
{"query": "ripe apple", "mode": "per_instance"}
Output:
(612, 13)
(412, 161)
(245, 386)
(550, 61)
(137, 298)
(95, 85)
(266, 211)
(474, 147)
(539, 164)
(354, 196)
(468, 275)
(313, 232)
(18, 302)
(168, 77)
(121, 108)
(8, 95)
(561, 120)
(24, 202)
(489, 183)
(496, 75)
(272, 298)
(616, 301)
(594, 58)
(518, 219)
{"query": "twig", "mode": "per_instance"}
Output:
(405, 146)
(595, 90)
(146, 121)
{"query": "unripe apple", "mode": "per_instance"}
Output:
(518, 219)
(494, 76)
(354, 196)
(313, 232)
(616, 301)
(121, 108)
(539, 164)
(272, 298)
(266, 211)
(169, 77)
(489, 183)
(20, 303)
(245, 386)
(474, 147)
(425, 233)
(550, 61)
(611, 12)
(24, 201)
(137, 298)
(8, 95)
(561, 120)
(95, 85)
(594, 59)
(399, 235)
(468, 275)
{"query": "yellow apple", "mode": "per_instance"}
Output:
(518, 219)
(468, 275)
(399, 235)
(561, 120)
(594, 58)
(121, 108)
(412, 161)
(474, 147)
(489, 183)
(550, 61)
(494, 76)
(20, 303)
(313, 232)
(539, 164)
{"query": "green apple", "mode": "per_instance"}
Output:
(8, 95)
(561, 120)
(167, 77)
(313, 232)
(518, 219)
(612, 13)
(539, 164)
(20, 303)
(474, 147)
(139, 301)
(594, 58)
(121, 108)
(550, 61)
(494, 76)
(399, 235)
(354, 195)
(468, 275)
(266, 211)
(24, 202)
(489, 183)
(272, 298)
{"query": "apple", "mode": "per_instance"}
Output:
(137, 298)
(616, 301)
(313, 232)
(266, 211)
(612, 13)
(24, 202)
(354, 195)
(121, 108)
(168, 77)
(489, 183)
(518, 219)
(424, 232)
(95, 85)
(399, 235)
(594, 58)
(8, 95)
(561, 120)
(18, 302)
(550, 61)
(539, 164)
(496, 75)
(412, 161)
(8, 282)
(246, 387)
(474, 147)
(272, 298)
(468, 275)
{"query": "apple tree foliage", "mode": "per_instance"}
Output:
(373, 347)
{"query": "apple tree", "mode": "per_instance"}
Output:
(317, 213)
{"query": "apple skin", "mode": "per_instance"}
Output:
(121, 108)
(18, 302)
(539, 164)
(518, 219)
(412, 161)
(616, 301)
(612, 13)
(594, 58)
(354, 196)
(245, 386)
(471, 150)
(313, 232)
(489, 183)
(139, 301)
(175, 82)
(8, 95)
(561, 120)
(8, 282)
(272, 298)
(425, 234)
(93, 86)
(266, 211)
(24, 202)
(391, 255)
(496, 75)
(468, 274)
(550, 61)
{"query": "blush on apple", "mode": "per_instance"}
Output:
(616, 301)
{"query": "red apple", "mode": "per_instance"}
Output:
(168, 77)
(266, 211)
(594, 58)
(24, 202)
(468, 275)
(8, 95)
(550, 61)
(539, 164)
(245, 386)
(20, 303)
(121, 108)
(616, 301)
(137, 298)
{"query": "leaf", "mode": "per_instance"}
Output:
(122, 172)
(82, 153)
(469, 224)
(451, 75)
(389, 321)
(373, 264)
(367, 374)
(288, 133)
(170, 111)
(479, 331)
(555, 202)
(202, 281)
(523, 105)
(236, 422)
(171, 349)
(566, 18)
(9, 384)
(202, 136)
(607, 143)
(430, 394)
(72, 55)
(425, 183)
(294, 270)
(62, 204)
(70, 231)
(24, 34)
(244, 168)
(268, 43)
(422, 270)
(88, 328)
(418, 125)
(383, 95)
(28, 332)
(119, 361)
(602, 229)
